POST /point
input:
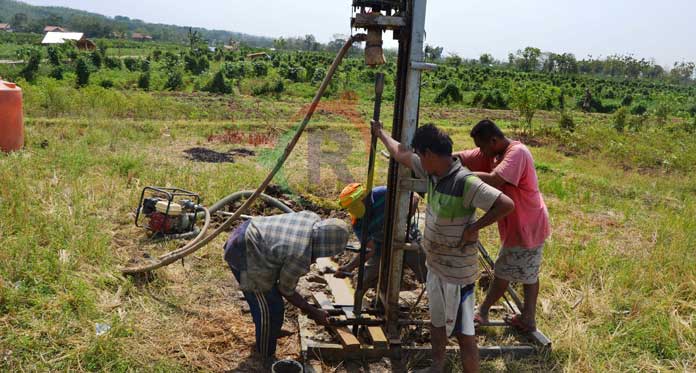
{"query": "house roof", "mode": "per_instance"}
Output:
(61, 37)
(53, 28)
(137, 35)
(4, 26)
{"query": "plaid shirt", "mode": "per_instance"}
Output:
(278, 251)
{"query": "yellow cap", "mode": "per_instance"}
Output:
(349, 197)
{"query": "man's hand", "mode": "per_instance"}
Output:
(321, 317)
(343, 272)
(377, 127)
(469, 236)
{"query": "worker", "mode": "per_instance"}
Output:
(268, 255)
(451, 236)
(357, 201)
(508, 166)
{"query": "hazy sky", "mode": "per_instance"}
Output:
(660, 29)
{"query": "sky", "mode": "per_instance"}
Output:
(646, 29)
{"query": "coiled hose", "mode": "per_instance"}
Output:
(201, 239)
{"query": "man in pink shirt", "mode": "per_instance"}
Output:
(508, 166)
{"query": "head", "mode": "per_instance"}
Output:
(489, 138)
(351, 198)
(434, 147)
(329, 238)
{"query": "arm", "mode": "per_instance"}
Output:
(492, 179)
(316, 314)
(501, 207)
(356, 261)
(400, 153)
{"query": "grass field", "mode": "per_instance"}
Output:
(618, 285)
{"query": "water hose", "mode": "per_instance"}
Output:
(201, 240)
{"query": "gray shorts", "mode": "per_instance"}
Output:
(517, 264)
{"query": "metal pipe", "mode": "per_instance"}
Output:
(365, 224)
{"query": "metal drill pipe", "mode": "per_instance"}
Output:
(360, 288)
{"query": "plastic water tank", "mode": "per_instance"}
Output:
(11, 121)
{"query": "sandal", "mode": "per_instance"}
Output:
(515, 321)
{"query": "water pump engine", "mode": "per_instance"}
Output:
(167, 211)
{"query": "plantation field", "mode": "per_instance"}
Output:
(616, 167)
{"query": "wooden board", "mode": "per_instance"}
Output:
(341, 289)
(376, 334)
(348, 340)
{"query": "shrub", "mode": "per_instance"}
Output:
(219, 84)
(636, 122)
(144, 81)
(627, 100)
(566, 122)
(275, 87)
(639, 109)
(620, 119)
(54, 56)
(97, 59)
(32, 67)
(260, 69)
(450, 93)
(82, 71)
(196, 64)
(492, 99)
(113, 63)
(662, 111)
(131, 63)
(57, 73)
(318, 75)
(175, 80)
(106, 83)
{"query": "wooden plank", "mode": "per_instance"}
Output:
(376, 334)
(348, 340)
(341, 289)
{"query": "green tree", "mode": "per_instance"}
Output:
(82, 71)
(527, 98)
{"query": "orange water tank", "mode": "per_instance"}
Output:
(11, 122)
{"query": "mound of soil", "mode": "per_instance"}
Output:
(200, 154)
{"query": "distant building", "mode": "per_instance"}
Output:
(253, 56)
(5, 27)
(61, 37)
(140, 37)
(54, 29)
(231, 46)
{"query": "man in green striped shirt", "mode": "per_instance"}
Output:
(451, 235)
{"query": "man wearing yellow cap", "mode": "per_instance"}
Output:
(356, 199)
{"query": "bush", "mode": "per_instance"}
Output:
(175, 80)
(639, 109)
(32, 68)
(620, 119)
(566, 123)
(492, 99)
(636, 122)
(131, 63)
(318, 75)
(97, 59)
(196, 65)
(219, 84)
(145, 66)
(450, 93)
(662, 111)
(106, 83)
(113, 63)
(260, 69)
(57, 73)
(54, 56)
(275, 87)
(627, 100)
(82, 71)
(690, 125)
(144, 81)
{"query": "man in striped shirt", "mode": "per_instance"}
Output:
(268, 255)
(451, 235)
